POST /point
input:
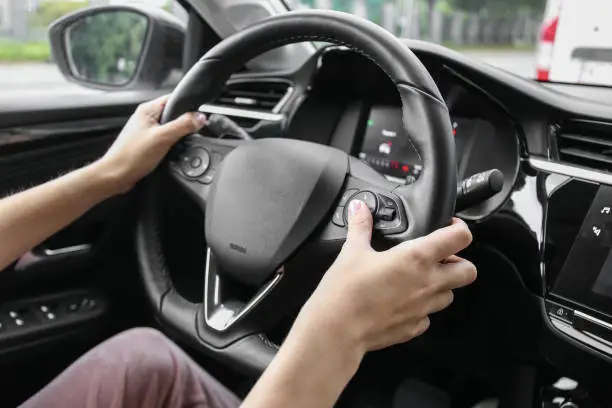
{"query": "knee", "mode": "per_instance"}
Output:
(144, 351)
(141, 338)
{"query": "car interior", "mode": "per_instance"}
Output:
(342, 109)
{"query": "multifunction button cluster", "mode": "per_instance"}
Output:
(384, 209)
(199, 164)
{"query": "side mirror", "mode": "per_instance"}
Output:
(119, 47)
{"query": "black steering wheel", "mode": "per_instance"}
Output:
(275, 208)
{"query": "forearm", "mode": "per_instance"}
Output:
(29, 217)
(311, 369)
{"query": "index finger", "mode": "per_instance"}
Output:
(444, 242)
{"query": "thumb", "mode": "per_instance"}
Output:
(359, 224)
(183, 125)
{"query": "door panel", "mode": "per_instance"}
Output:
(81, 285)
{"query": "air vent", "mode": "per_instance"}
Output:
(260, 96)
(587, 144)
(249, 103)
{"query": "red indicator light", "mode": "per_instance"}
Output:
(454, 132)
(405, 168)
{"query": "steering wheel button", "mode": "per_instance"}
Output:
(338, 218)
(386, 201)
(207, 178)
(346, 195)
(386, 214)
(368, 198)
(196, 162)
(382, 225)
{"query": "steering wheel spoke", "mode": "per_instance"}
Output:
(221, 312)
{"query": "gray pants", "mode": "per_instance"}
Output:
(137, 368)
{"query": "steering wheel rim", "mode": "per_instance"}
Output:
(425, 205)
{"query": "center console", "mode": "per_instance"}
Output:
(578, 262)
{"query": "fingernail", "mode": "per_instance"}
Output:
(200, 118)
(354, 207)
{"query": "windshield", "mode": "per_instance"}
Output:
(566, 41)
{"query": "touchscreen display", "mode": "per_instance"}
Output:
(603, 284)
(586, 275)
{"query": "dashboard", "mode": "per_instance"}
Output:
(543, 244)
(364, 118)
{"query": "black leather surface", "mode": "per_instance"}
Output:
(151, 261)
(430, 201)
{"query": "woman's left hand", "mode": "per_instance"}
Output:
(143, 142)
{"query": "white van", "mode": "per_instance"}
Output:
(575, 43)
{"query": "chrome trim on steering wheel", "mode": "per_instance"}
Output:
(221, 316)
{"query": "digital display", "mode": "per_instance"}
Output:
(386, 146)
(586, 275)
(388, 149)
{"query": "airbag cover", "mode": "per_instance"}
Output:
(268, 197)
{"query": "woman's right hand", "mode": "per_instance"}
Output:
(367, 300)
(376, 299)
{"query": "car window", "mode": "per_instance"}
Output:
(550, 40)
(26, 65)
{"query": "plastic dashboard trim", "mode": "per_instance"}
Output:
(569, 170)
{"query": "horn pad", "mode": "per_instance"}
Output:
(268, 197)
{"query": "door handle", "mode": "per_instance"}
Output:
(73, 249)
(48, 256)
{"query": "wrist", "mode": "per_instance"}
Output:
(108, 178)
(334, 331)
